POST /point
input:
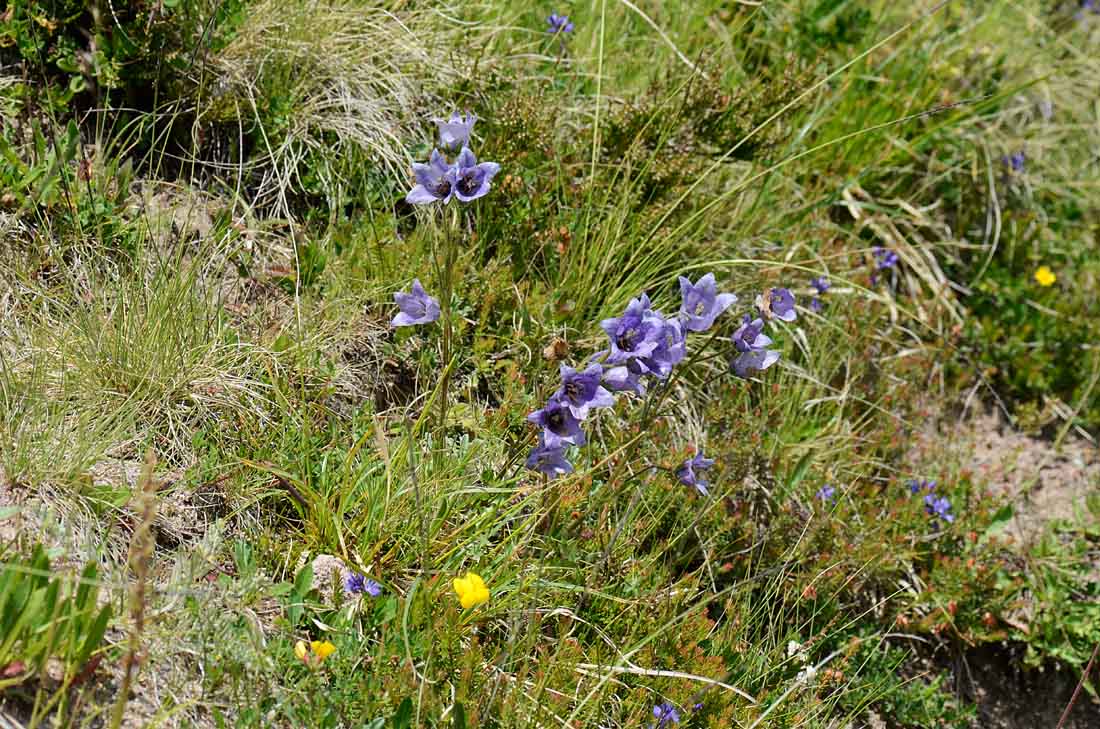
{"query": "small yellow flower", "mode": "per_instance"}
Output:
(471, 590)
(1044, 276)
(314, 652)
(322, 649)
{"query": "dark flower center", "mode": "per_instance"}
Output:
(555, 421)
(573, 391)
(627, 339)
(442, 188)
(470, 181)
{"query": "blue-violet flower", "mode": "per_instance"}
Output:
(582, 390)
(455, 132)
(472, 179)
(701, 302)
(690, 474)
(416, 307)
(559, 425)
(435, 181)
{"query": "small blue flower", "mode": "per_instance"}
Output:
(701, 303)
(549, 461)
(690, 474)
(665, 713)
(454, 133)
(826, 493)
(938, 507)
(435, 181)
(416, 307)
(815, 305)
(884, 258)
(357, 584)
(752, 344)
(821, 284)
(471, 180)
(582, 391)
(1015, 161)
(916, 486)
(778, 303)
(559, 24)
(559, 426)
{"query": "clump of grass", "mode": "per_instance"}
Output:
(328, 94)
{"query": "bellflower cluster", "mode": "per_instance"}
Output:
(465, 179)
(642, 343)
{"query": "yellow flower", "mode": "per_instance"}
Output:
(322, 649)
(471, 590)
(1044, 276)
(314, 652)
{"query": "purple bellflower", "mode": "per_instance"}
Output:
(820, 284)
(559, 24)
(547, 460)
(752, 344)
(416, 307)
(472, 179)
(357, 584)
(938, 507)
(671, 347)
(582, 390)
(884, 258)
(454, 133)
(635, 334)
(690, 474)
(435, 181)
(624, 379)
(826, 493)
(559, 425)
(778, 303)
(665, 714)
(916, 486)
(701, 303)
(1015, 161)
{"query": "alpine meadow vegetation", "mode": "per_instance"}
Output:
(377, 364)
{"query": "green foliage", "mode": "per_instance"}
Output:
(47, 616)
